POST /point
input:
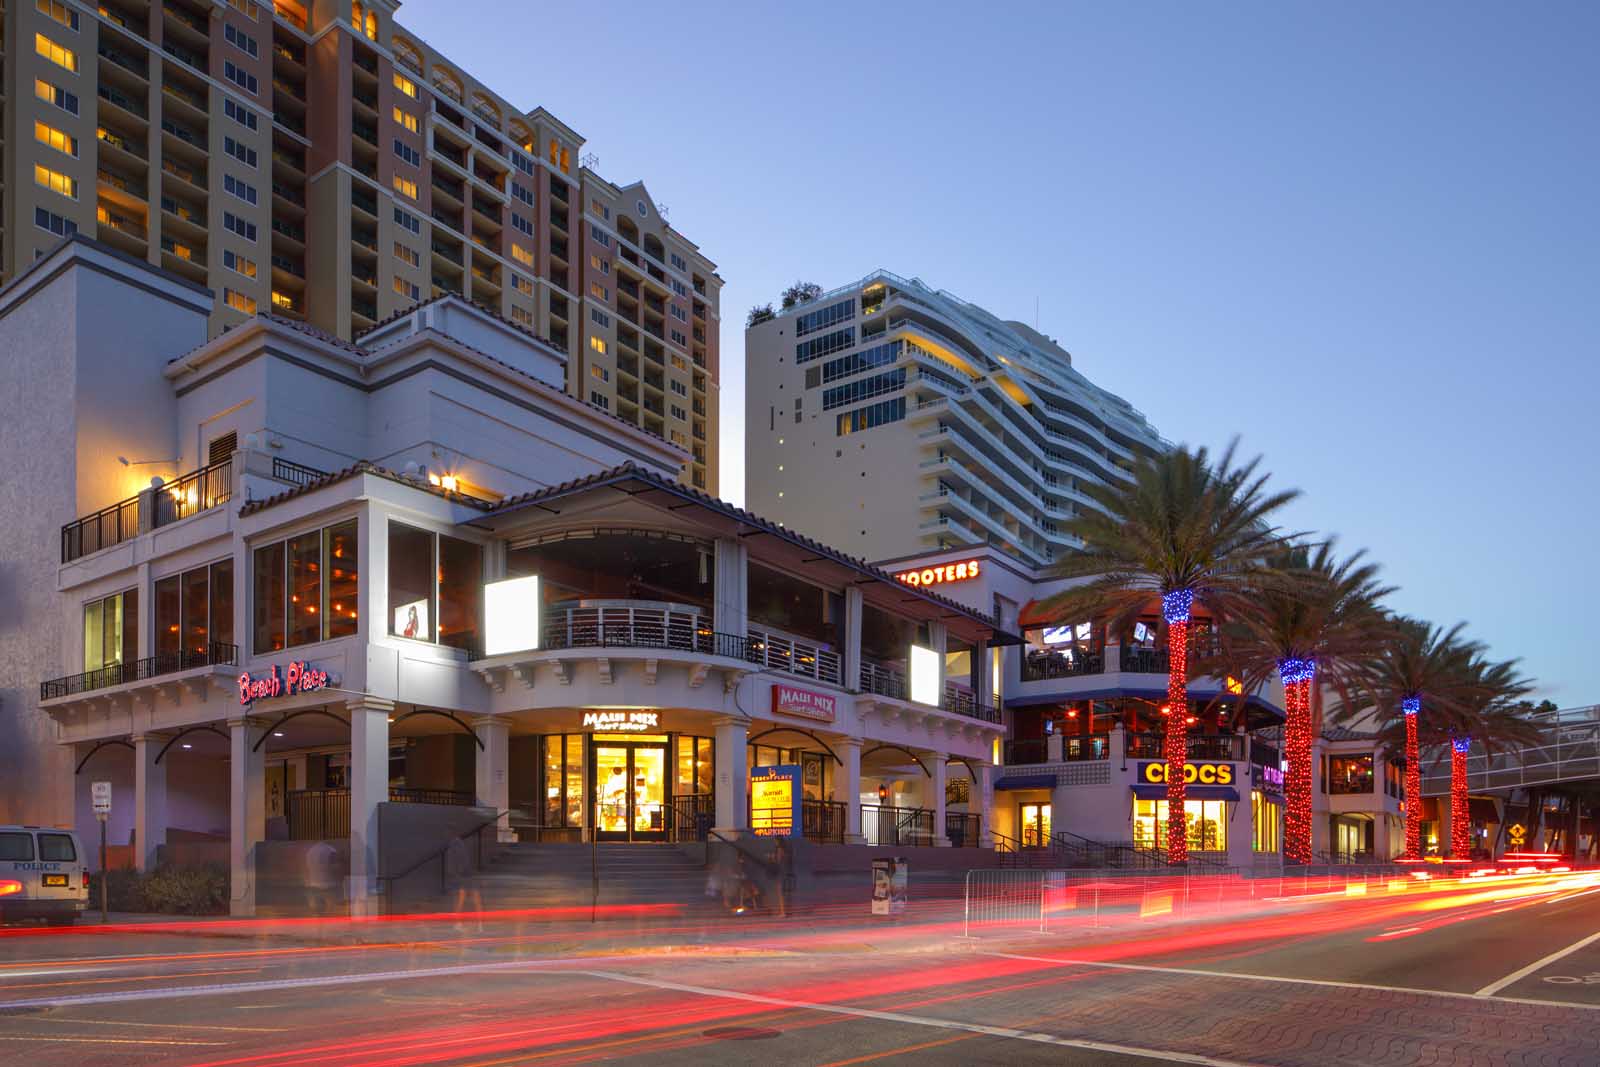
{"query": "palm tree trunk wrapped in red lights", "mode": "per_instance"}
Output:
(1411, 706)
(1297, 675)
(1460, 817)
(1175, 608)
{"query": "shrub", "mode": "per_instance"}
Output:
(201, 890)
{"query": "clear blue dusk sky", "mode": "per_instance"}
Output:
(1363, 236)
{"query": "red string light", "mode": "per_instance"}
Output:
(1460, 819)
(1297, 819)
(1177, 738)
(1412, 706)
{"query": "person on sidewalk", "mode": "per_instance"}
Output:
(464, 875)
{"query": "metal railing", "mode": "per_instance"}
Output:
(1027, 750)
(964, 701)
(324, 814)
(962, 828)
(193, 493)
(638, 627)
(882, 824)
(690, 816)
(216, 653)
(882, 681)
(1200, 746)
(1038, 667)
(295, 473)
(106, 527)
(823, 821)
(779, 652)
(1571, 750)
(1144, 660)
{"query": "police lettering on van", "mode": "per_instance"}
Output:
(42, 875)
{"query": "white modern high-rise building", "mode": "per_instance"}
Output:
(888, 418)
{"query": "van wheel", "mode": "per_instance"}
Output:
(62, 920)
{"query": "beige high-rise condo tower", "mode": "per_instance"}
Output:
(318, 162)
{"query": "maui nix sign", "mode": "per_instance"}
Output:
(298, 677)
(804, 703)
(1193, 773)
(940, 574)
(622, 721)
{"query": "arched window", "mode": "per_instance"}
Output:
(447, 83)
(566, 161)
(485, 108)
(406, 55)
(555, 153)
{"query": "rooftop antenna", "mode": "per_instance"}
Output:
(590, 161)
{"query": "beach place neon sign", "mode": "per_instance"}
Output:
(945, 572)
(298, 677)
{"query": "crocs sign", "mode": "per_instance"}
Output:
(944, 572)
(298, 677)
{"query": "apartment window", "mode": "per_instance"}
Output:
(879, 414)
(522, 192)
(597, 371)
(522, 316)
(248, 8)
(678, 263)
(55, 181)
(522, 284)
(57, 139)
(242, 152)
(521, 162)
(601, 265)
(406, 119)
(242, 78)
(678, 387)
(53, 223)
(298, 600)
(405, 85)
(235, 262)
(405, 187)
(282, 300)
(856, 362)
(234, 224)
(241, 189)
(598, 344)
(599, 318)
(678, 413)
(603, 210)
(240, 114)
(679, 339)
(407, 255)
(599, 399)
(1348, 775)
(407, 153)
(678, 438)
(240, 40)
(238, 301)
(522, 224)
(65, 58)
(827, 344)
(58, 11)
(598, 291)
(863, 388)
(194, 610)
(53, 94)
(407, 289)
(521, 255)
(407, 220)
(812, 321)
(435, 586)
(679, 288)
(111, 631)
(600, 236)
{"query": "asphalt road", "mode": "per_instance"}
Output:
(1492, 972)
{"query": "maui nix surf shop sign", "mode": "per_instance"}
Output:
(1193, 773)
(298, 677)
(804, 703)
(941, 574)
(622, 721)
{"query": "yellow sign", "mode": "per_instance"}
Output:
(1201, 773)
(774, 796)
(618, 721)
(944, 572)
(1517, 834)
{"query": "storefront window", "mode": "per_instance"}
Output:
(1266, 824)
(169, 616)
(111, 631)
(435, 587)
(194, 610)
(220, 601)
(411, 575)
(339, 553)
(795, 607)
(305, 588)
(695, 769)
(294, 596)
(1060, 650)
(1207, 819)
(619, 565)
(1349, 774)
(269, 630)
(460, 592)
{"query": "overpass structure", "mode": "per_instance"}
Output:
(1570, 755)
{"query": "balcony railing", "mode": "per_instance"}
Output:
(964, 701)
(106, 527)
(780, 652)
(621, 625)
(1027, 750)
(193, 493)
(885, 825)
(140, 670)
(882, 681)
(1201, 746)
(1039, 665)
(295, 473)
(1144, 660)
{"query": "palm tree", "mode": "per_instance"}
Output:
(1185, 529)
(1491, 718)
(1314, 616)
(1419, 665)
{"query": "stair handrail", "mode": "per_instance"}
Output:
(388, 880)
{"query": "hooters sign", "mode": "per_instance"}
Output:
(941, 574)
(298, 677)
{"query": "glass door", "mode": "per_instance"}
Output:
(1035, 819)
(630, 792)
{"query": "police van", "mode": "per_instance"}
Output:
(42, 875)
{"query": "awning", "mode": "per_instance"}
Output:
(1027, 781)
(1146, 791)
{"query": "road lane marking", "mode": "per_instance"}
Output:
(901, 1051)
(1278, 979)
(1537, 965)
(923, 1020)
(112, 1040)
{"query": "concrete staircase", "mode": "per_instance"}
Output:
(561, 875)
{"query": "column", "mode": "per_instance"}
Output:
(493, 759)
(984, 787)
(369, 787)
(149, 800)
(853, 607)
(847, 787)
(733, 775)
(247, 811)
(938, 763)
(729, 585)
(936, 641)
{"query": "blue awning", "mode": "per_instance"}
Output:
(1027, 781)
(1146, 791)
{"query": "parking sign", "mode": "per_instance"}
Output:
(101, 794)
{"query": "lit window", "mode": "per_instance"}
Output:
(521, 255)
(60, 141)
(405, 187)
(597, 371)
(56, 181)
(297, 600)
(406, 119)
(65, 58)
(372, 26)
(405, 85)
(407, 255)
(598, 291)
(238, 301)
(435, 585)
(1207, 821)
(522, 316)
(521, 284)
(283, 300)
(235, 262)
(407, 289)
(598, 344)
(51, 94)
(58, 11)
